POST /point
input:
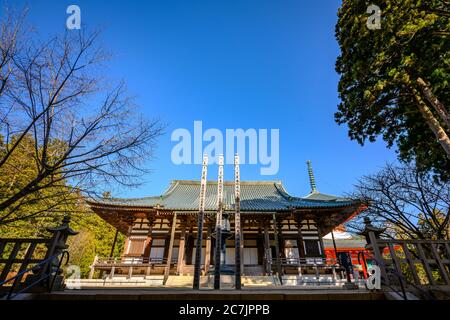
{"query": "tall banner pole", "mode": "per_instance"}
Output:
(201, 215)
(218, 246)
(237, 223)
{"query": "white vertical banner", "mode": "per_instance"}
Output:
(203, 184)
(237, 223)
(220, 193)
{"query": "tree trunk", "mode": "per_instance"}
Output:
(448, 230)
(432, 122)
(437, 105)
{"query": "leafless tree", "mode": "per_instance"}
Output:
(408, 203)
(84, 130)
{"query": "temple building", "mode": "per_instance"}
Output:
(280, 233)
(352, 244)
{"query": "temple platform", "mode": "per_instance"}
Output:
(208, 294)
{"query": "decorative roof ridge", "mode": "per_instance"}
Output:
(170, 189)
(310, 200)
(306, 198)
(336, 198)
(282, 191)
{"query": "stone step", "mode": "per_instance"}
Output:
(227, 281)
(116, 282)
(179, 281)
(256, 281)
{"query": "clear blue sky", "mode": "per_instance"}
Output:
(232, 64)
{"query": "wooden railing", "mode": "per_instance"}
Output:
(45, 274)
(307, 262)
(414, 265)
(128, 264)
(25, 262)
(412, 256)
(16, 255)
(320, 267)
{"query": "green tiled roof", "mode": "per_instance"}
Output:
(256, 196)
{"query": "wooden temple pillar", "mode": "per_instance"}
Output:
(182, 246)
(113, 246)
(281, 241)
(117, 222)
(260, 246)
(277, 247)
(242, 247)
(322, 247)
(169, 254)
(167, 243)
(149, 240)
(126, 248)
(189, 245)
(127, 244)
(267, 250)
(319, 223)
(208, 247)
(300, 245)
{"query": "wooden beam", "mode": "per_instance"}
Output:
(169, 255)
(377, 251)
(92, 268)
(277, 248)
(181, 248)
(267, 250)
(127, 241)
(439, 263)
(322, 247)
(25, 263)
(149, 241)
(208, 249)
(113, 246)
(411, 263)
(281, 242)
(300, 246)
(189, 245)
(425, 263)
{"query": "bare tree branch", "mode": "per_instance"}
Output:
(80, 134)
(409, 203)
